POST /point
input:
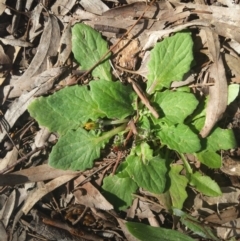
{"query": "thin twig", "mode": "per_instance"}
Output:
(143, 98)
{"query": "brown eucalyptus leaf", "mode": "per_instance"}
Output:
(90, 196)
(47, 188)
(8, 208)
(62, 7)
(3, 232)
(48, 46)
(218, 93)
(94, 6)
(225, 216)
(65, 46)
(34, 174)
(233, 64)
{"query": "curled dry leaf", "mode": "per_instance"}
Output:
(218, 93)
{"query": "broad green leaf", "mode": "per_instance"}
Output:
(147, 233)
(88, 47)
(66, 109)
(221, 139)
(169, 61)
(199, 123)
(179, 138)
(178, 186)
(113, 98)
(118, 191)
(195, 226)
(77, 149)
(176, 106)
(233, 91)
(144, 152)
(151, 176)
(209, 158)
(205, 185)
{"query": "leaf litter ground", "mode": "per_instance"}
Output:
(42, 198)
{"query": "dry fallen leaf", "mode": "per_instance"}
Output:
(227, 215)
(218, 93)
(34, 174)
(94, 6)
(7, 209)
(89, 196)
(48, 47)
(47, 188)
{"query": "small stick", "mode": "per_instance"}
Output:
(143, 98)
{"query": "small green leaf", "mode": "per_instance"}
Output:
(180, 138)
(221, 139)
(209, 158)
(169, 61)
(205, 185)
(118, 191)
(66, 109)
(176, 106)
(233, 91)
(144, 152)
(150, 176)
(195, 226)
(76, 150)
(178, 186)
(88, 47)
(147, 233)
(113, 98)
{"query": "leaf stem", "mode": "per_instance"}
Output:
(113, 132)
(112, 122)
(186, 164)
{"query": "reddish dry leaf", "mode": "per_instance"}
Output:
(218, 93)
